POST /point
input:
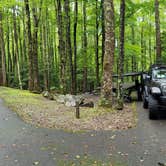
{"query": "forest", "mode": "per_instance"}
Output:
(75, 46)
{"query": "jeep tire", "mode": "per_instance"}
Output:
(152, 108)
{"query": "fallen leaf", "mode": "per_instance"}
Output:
(134, 142)
(36, 163)
(113, 137)
(78, 157)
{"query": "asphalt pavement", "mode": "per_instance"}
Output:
(24, 145)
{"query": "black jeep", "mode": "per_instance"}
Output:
(154, 91)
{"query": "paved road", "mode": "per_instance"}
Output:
(22, 145)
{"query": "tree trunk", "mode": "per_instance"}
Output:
(121, 54)
(36, 86)
(106, 98)
(103, 32)
(158, 35)
(3, 56)
(9, 59)
(16, 49)
(97, 45)
(75, 47)
(68, 44)
(62, 51)
(143, 58)
(45, 56)
(85, 69)
(30, 51)
(150, 43)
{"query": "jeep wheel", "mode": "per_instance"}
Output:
(152, 108)
(152, 115)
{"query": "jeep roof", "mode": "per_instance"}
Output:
(157, 66)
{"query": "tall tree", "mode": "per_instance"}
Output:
(44, 52)
(2, 53)
(150, 43)
(68, 44)
(121, 53)
(85, 43)
(134, 60)
(62, 51)
(16, 49)
(75, 47)
(103, 31)
(36, 18)
(97, 45)
(29, 43)
(143, 50)
(158, 35)
(106, 96)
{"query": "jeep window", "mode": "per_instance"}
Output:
(159, 74)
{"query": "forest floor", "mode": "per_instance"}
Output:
(41, 112)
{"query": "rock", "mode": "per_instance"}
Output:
(71, 100)
(45, 94)
(87, 104)
(51, 96)
(55, 97)
(68, 100)
(80, 99)
(48, 95)
(61, 99)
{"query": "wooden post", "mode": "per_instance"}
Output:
(77, 110)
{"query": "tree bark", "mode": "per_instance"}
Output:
(134, 59)
(150, 43)
(121, 54)
(75, 47)
(97, 45)
(30, 51)
(158, 35)
(9, 62)
(85, 43)
(17, 49)
(62, 51)
(143, 49)
(68, 45)
(36, 19)
(3, 55)
(103, 32)
(45, 57)
(106, 95)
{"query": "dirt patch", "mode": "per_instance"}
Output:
(36, 110)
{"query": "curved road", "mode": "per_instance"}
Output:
(23, 145)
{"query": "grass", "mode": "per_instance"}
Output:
(12, 96)
(38, 111)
